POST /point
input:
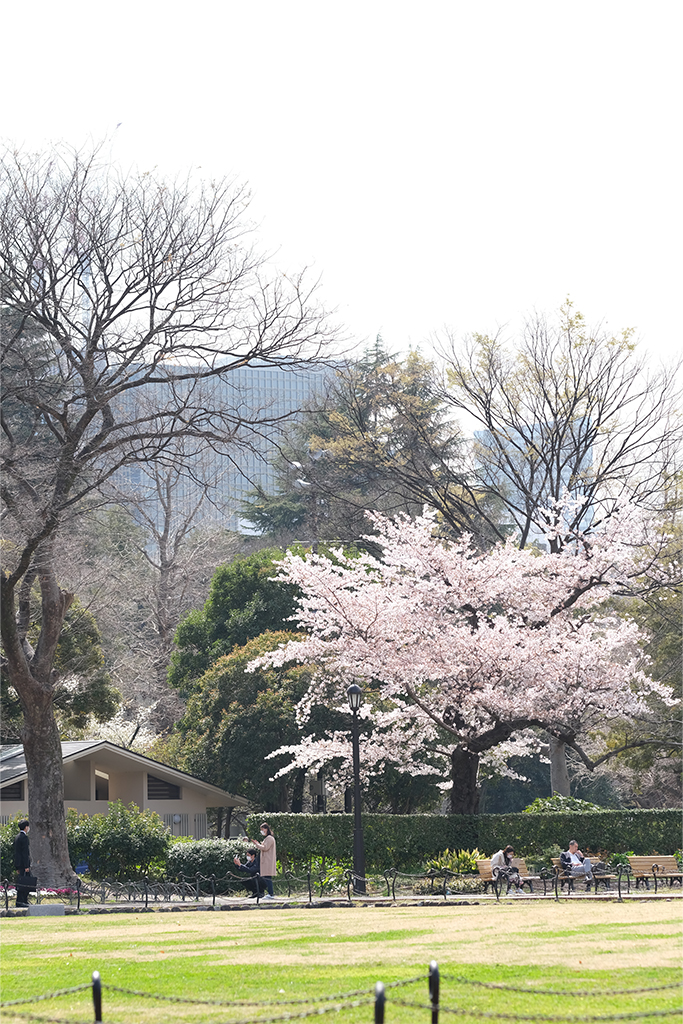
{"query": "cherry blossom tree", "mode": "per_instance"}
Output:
(460, 652)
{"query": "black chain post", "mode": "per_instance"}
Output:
(97, 994)
(380, 1000)
(434, 990)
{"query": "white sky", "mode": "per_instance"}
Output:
(456, 164)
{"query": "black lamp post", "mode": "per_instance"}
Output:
(355, 695)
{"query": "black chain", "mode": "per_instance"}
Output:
(48, 995)
(336, 1008)
(49, 1020)
(320, 1011)
(272, 1002)
(408, 981)
(559, 992)
(341, 1003)
(560, 1020)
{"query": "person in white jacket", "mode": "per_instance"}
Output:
(501, 863)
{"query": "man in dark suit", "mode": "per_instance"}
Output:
(251, 868)
(22, 863)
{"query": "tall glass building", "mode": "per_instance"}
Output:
(260, 402)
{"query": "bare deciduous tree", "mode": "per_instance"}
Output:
(129, 300)
(179, 546)
(565, 410)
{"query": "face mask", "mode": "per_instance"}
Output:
(263, 833)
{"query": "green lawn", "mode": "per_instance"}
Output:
(272, 955)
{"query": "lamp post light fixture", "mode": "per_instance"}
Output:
(355, 696)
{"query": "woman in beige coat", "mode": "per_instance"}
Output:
(268, 858)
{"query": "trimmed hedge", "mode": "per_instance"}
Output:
(204, 856)
(393, 840)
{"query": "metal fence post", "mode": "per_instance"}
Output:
(434, 990)
(655, 870)
(97, 994)
(380, 1000)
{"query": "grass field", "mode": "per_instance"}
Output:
(273, 955)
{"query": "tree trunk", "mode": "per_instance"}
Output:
(43, 751)
(298, 791)
(559, 776)
(32, 675)
(465, 791)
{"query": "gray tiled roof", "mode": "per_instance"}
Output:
(13, 763)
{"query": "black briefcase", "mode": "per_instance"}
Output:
(27, 882)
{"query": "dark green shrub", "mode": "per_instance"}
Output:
(391, 840)
(126, 843)
(204, 856)
(8, 833)
(406, 841)
(80, 833)
(560, 804)
(543, 860)
(620, 858)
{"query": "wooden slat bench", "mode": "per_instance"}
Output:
(525, 876)
(659, 867)
(487, 876)
(563, 877)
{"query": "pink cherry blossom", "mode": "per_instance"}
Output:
(459, 650)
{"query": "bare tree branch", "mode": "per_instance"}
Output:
(126, 301)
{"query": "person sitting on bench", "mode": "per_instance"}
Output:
(574, 863)
(251, 868)
(502, 861)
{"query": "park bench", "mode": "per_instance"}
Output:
(563, 877)
(496, 881)
(657, 867)
(486, 875)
